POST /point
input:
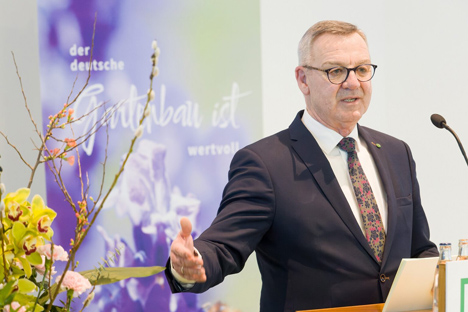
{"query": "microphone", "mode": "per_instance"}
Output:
(439, 122)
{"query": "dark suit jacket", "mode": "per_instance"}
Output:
(284, 202)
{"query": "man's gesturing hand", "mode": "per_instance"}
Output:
(184, 258)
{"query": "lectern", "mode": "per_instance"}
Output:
(453, 281)
(453, 292)
(361, 308)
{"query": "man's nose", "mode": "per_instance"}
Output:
(351, 82)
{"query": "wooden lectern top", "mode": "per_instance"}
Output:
(361, 308)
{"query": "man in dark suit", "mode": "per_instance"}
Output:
(321, 239)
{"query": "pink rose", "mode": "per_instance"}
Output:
(15, 306)
(59, 253)
(74, 281)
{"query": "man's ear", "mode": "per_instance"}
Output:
(302, 80)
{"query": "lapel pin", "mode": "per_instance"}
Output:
(376, 144)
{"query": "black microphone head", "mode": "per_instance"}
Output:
(438, 121)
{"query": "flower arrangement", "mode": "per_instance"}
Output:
(27, 250)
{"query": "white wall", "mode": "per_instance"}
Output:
(18, 34)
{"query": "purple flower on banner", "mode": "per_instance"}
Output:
(144, 195)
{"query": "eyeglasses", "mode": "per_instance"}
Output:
(339, 74)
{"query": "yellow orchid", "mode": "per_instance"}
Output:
(17, 208)
(29, 243)
(42, 217)
(27, 227)
(19, 196)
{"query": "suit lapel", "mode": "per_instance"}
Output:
(379, 154)
(310, 153)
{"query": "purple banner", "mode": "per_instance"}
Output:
(207, 106)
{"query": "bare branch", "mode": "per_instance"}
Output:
(17, 151)
(74, 249)
(24, 97)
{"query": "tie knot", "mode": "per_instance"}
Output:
(347, 144)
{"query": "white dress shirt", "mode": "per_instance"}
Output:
(328, 139)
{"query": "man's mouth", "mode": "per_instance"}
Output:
(350, 100)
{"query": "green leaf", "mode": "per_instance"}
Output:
(34, 258)
(26, 286)
(6, 293)
(112, 275)
(109, 276)
(46, 295)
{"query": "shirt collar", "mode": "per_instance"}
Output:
(326, 138)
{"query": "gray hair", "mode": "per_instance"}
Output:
(324, 27)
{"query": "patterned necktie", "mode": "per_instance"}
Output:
(370, 214)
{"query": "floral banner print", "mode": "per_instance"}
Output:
(205, 106)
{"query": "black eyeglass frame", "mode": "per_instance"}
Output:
(347, 72)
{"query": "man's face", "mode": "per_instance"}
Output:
(338, 107)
